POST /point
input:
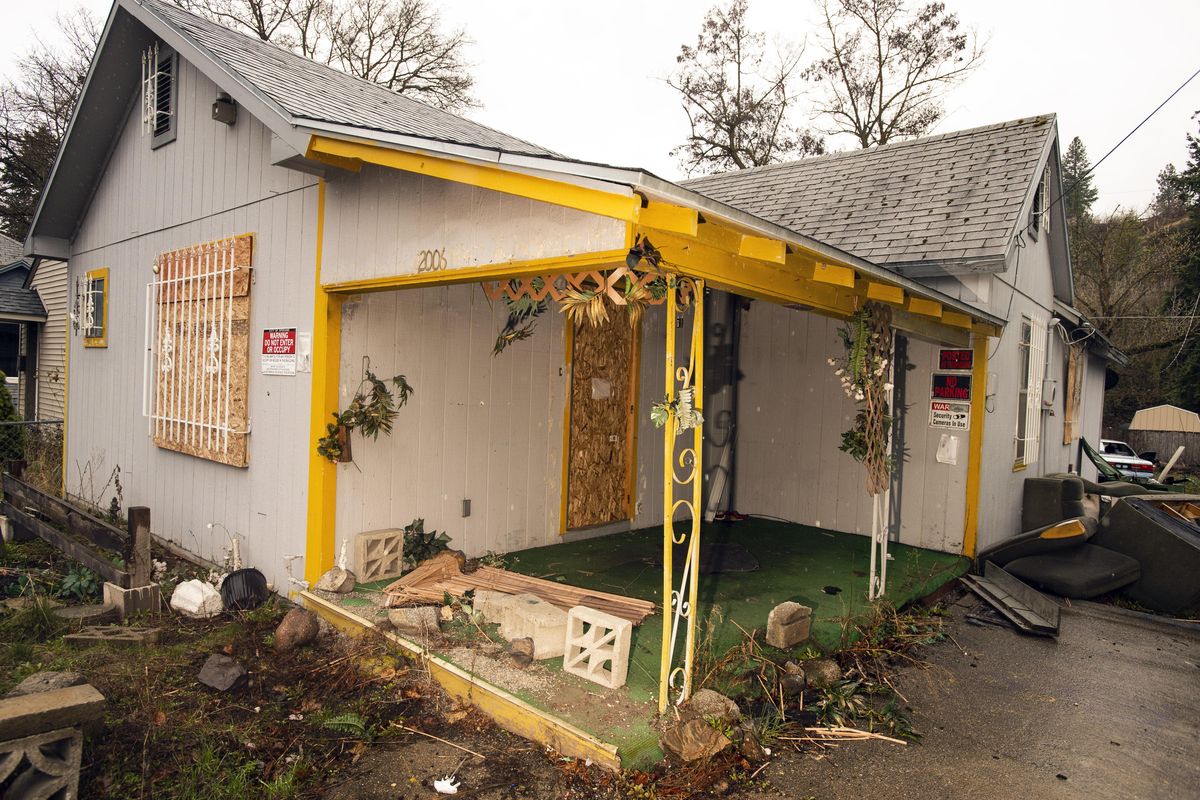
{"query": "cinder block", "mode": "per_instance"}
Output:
(788, 625)
(527, 615)
(114, 635)
(43, 765)
(31, 714)
(597, 646)
(379, 555)
(142, 600)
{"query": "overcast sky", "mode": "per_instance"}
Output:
(586, 79)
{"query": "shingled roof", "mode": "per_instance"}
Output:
(309, 90)
(949, 199)
(10, 250)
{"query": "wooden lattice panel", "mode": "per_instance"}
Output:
(554, 287)
(601, 414)
(199, 350)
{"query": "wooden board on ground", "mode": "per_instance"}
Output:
(442, 575)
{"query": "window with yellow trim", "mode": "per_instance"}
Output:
(90, 315)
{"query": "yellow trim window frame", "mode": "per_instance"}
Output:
(95, 304)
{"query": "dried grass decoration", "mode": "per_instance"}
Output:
(372, 411)
(865, 376)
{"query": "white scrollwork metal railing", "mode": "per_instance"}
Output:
(682, 484)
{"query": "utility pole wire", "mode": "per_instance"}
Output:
(1069, 190)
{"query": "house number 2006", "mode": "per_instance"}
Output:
(431, 260)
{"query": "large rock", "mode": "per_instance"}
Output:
(414, 621)
(527, 615)
(793, 681)
(822, 672)
(693, 739)
(788, 625)
(710, 705)
(197, 599)
(298, 627)
(46, 681)
(222, 673)
(338, 580)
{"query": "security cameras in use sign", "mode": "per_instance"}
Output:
(279, 351)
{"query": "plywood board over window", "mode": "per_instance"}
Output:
(602, 391)
(198, 350)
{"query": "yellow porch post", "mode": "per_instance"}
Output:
(979, 372)
(322, 474)
(680, 605)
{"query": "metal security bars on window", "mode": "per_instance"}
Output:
(197, 350)
(157, 76)
(89, 307)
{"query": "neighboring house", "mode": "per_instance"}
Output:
(22, 317)
(976, 215)
(49, 280)
(248, 232)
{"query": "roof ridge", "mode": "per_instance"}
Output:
(155, 6)
(890, 147)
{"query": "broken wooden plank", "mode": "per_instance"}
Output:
(442, 575)
(67, 544)
(1025, 607)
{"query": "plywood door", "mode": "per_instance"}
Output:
(601, 422)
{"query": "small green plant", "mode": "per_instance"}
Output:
(349, 723)
(420, 546)
(80, 583)
(841, 703)
(372, 411)
(846, 702)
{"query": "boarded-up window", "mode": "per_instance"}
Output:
(1074, 393)
(198, 349)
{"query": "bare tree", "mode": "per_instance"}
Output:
(35, 110)
(737, 99)
(400, 44)
(886, 68)
(1125, 279)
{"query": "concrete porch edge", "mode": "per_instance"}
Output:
(507, 710)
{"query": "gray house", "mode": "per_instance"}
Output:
(248, 234)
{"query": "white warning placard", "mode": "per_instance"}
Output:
(949, 414)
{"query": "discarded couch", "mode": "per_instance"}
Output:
(1055, 553)
(1163, 534)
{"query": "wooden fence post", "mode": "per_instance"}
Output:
(137, 555)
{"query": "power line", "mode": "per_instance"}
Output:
(1079, 181)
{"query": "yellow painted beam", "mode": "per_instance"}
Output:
(582, 198)
(322, 474)
(753, 278)
(833, 274)
(507, 710)
(763, 249)
(926, 308)
(885, 293)
(671, 218)
(956, 319)
(979, 371)
(580, 262)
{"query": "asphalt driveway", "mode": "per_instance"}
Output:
(1109, 710)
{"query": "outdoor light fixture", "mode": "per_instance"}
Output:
(224, 109)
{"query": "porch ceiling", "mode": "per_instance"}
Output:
(697, 236)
